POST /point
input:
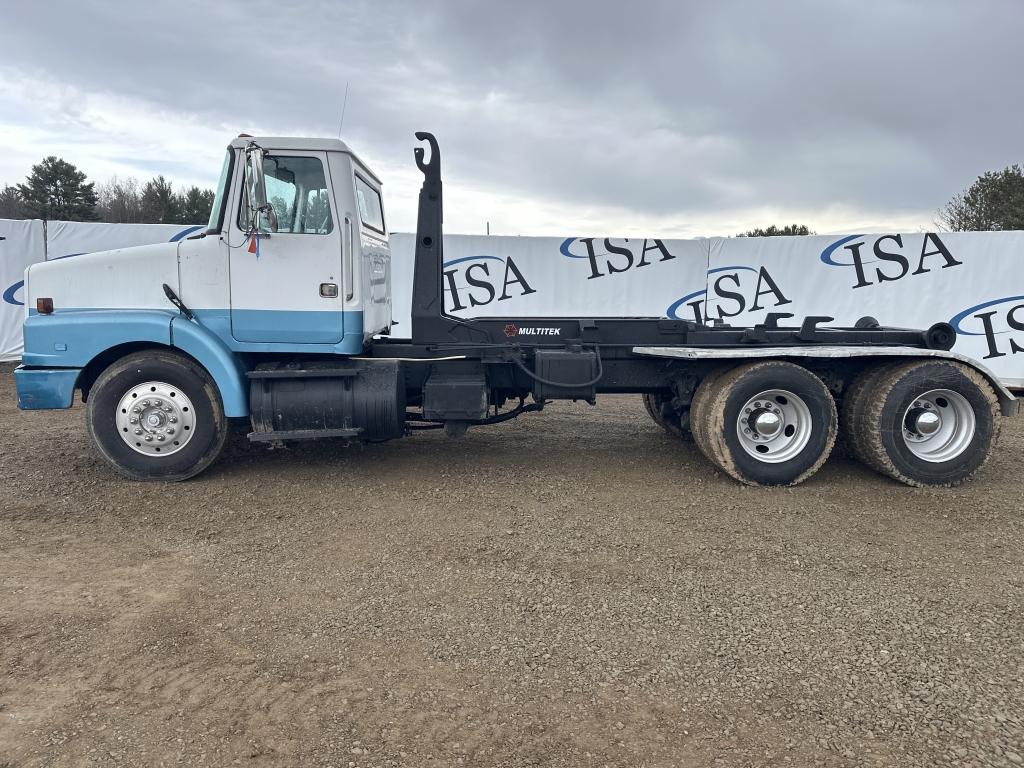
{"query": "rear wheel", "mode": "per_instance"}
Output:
(855, 400)
(765, 423)
(675, 422)
(156, 415)
(930, 423)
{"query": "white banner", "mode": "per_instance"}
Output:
(72, 238)
(21, 243)
(974, 280)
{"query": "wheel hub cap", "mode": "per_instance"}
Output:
(155, 419)
(924, 423)
(765, 423)
(774, 426)
(939, 425)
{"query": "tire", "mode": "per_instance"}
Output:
(765, 423)
(897, 443)
(855, 400)
(699, 417)
(676, 423)
(181, 430)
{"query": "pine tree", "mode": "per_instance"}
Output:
(56, 190)
(159, 203)
(194, 205)
(995, 201)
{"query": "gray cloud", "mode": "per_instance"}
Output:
(665, 108)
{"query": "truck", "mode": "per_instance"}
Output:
(277, 318)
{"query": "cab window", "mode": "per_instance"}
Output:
(371, 212)
(297, 190)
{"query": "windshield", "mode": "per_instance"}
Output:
(216, 213)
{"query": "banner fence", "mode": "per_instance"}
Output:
(973, 280)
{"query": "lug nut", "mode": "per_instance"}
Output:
(149, 438)
(138, 431)
(160, 438)
(173, 419)
(170, 430)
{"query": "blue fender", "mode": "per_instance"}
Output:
(73, 338)
(221, 363)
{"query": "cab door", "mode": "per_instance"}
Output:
(287, 291)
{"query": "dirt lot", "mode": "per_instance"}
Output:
(575, 588)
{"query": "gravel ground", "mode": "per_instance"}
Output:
(575, 588)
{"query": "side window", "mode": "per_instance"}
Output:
(297, 190)
(371, 212)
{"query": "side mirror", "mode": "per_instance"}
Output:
(255, 186)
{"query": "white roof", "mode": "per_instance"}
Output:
(290, 143)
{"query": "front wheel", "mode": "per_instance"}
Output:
(765, 423)
(156, 415)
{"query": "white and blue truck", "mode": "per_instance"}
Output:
(278, 317)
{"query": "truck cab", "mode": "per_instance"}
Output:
(295, 259)
(312, 269)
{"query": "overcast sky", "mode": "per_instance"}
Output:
(560, 118)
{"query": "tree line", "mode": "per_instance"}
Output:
(993, 202)
(56, 190)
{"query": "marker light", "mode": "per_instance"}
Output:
(44, 306)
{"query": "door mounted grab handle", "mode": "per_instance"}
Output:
(349, 254)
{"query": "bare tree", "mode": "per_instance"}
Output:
(11, 206)
(120, 201)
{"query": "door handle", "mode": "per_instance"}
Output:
(348, 249)
(329, 290)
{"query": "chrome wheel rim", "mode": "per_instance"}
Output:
(155, 419)
(939, 425)
(774, 426)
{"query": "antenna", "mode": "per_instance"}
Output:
(344, 104)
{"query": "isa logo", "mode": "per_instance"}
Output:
(730, 291)
(13, 294)
(997, 320)
(476, 281)
(614, 257)
(886, 259)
